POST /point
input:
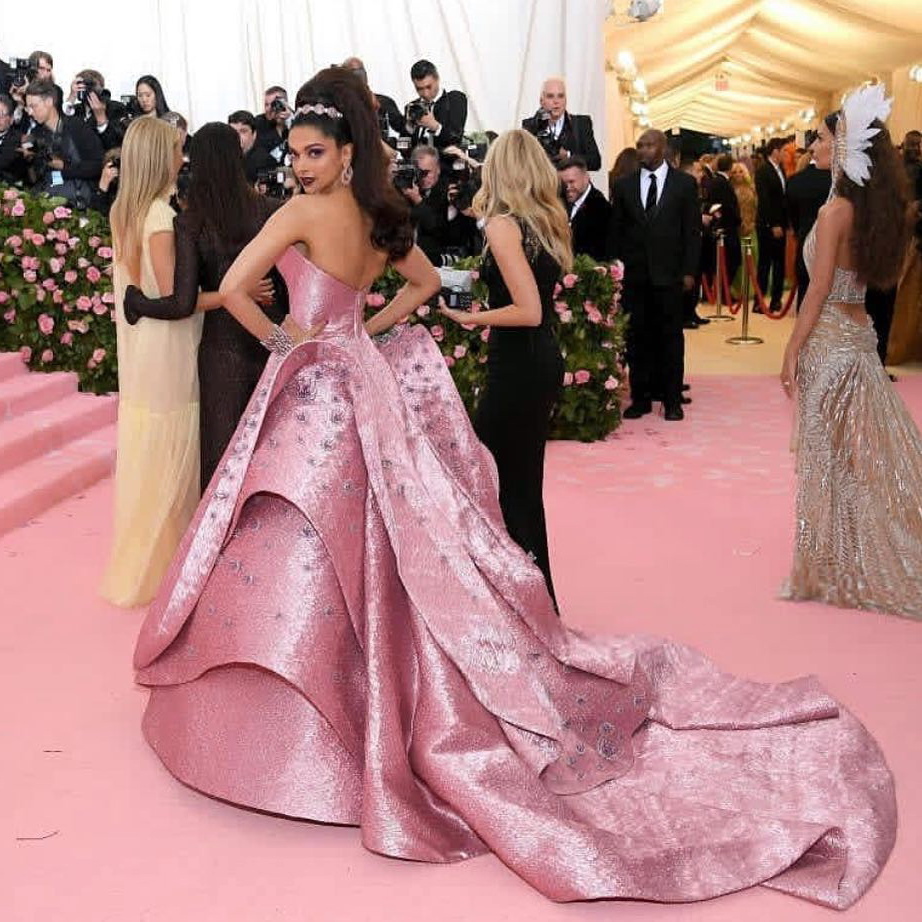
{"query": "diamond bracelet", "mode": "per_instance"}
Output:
(278, 341)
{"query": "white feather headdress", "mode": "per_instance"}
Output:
(855, 130)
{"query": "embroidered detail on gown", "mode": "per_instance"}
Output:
(347, 634)
(858, 540)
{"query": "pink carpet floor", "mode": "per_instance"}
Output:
(676, 529)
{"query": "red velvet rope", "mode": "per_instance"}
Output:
(735, 307)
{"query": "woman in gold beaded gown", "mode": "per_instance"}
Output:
(858, 540)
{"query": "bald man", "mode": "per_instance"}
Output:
(390, 119)
(656, 233)
(562, 134)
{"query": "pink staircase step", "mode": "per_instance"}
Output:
(11, 365)
(26, 393)
(30, 489)
(50, 428)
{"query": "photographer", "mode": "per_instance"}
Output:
(38, 66)
(104, 192)
(256, 159)
(427, 193)
(561, 134)
(436, 117)
(64, 155)
(464, 236)
(12, 165)
(390, 121)
(272, 125)
(90, 100)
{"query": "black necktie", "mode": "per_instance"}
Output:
(650, 204)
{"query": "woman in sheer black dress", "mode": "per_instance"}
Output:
(224, 213)
(528, 247)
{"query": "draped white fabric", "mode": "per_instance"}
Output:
(779, 56)
(215, 58)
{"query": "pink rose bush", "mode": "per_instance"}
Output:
(56, 262)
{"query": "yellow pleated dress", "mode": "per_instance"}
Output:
(157, 468)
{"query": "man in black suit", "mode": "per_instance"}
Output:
(429, 204)
(656, 233)
(256, 159)
(436, 117)
(806, 193)
(588, 209)
(390, 119)
(271, 125)
(563, 135)
(727, 219)
(771, 222)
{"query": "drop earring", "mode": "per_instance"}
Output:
(346, 178)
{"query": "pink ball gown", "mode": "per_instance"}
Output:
(347, 634)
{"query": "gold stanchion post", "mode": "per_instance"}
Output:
(719, 280)
(745, 339)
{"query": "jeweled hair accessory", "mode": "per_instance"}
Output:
(855, 130)
(318, 108)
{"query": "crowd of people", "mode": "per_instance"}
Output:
(356, 622)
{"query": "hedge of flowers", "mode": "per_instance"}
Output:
(56, 298)
(591, 331)
(56, 303)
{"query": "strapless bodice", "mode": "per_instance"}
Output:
(846, 288)
(315, 295)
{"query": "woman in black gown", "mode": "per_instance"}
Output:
(528, 247)
(224, 214)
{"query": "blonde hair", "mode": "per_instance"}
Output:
(518, 180)
(145, 175)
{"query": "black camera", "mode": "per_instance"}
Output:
(278, 105)
(22, 70)
(415, 110)
(545, 134)
(407, 175)
(271, 182)
(116, 163)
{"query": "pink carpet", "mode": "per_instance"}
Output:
(676, 529)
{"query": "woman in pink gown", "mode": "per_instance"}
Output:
(348, 634)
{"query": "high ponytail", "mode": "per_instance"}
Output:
(391, 229)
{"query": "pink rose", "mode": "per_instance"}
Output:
(567, 378)
(29, 275)
(90, 364)
(374, 299)
(82, 263)
(48, 217)
(40, 294)
(84, 303)
(70, 276)
(45, 323)
(560, 306)
(27, 232)
(485, 334)
(93, 275)
(38, 240)
(49, 284)
(93, 242)
(99, 308)
(72, 241)
(63, 236)
(601, 270)
(4, 297)
(438, 334)
(67, 309)
(611, 383)
(26, 353)
(99, 355)
(67, 338)
(62, 212)
(449, 361)
(14, 241)
(557, 289)
(569, 280)
(460, 352)
(10, 315)
(9, 195)
(108, 297)
(55, 264)
(582, 376)
(423, 310)
(617, 270)
(78, 326)
(594, 314)
(47, 356)
(60, 248)
(104, 252)
(17, 211)
(566, 316)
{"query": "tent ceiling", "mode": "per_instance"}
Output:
(780, 56)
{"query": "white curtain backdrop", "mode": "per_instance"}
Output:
(214, 58)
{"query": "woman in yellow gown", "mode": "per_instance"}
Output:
(157, 469)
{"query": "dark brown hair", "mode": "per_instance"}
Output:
(391, 230)
(881, 227)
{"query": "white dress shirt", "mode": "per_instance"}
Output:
(578, 203)
(660, 173)
(780, 173)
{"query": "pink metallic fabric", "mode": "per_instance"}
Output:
(348, 635)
